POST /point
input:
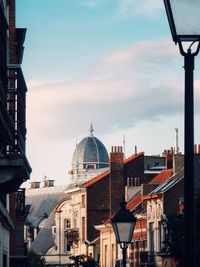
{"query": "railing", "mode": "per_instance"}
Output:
(20, 203)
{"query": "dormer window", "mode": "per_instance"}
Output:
(90, 166)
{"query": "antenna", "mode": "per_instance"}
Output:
(124, 146)
(176, 148)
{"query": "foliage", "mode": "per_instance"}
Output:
(90, 262)
(35, 260)
(175, 237)
(77, 259)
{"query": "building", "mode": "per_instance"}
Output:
(95, 193)
(14, 166)
(162, 203)
(110, 252)
(40, 221)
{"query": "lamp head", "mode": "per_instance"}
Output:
(184, 20)
(123, 223)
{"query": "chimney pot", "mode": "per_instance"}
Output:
(35, 185)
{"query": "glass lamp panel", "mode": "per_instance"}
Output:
(186, 14)
(125, 231)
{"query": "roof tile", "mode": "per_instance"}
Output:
(162, 177)
(95, 179)
(134, 156)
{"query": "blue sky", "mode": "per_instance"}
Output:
(109, 62)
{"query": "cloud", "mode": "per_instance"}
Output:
(125, 87)
(129, 8)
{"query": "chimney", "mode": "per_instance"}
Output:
(117, 179)
(48, 183)
(178, 163)
(35, 185)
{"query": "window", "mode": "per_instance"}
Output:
(83, 228)
(53, 230)
(105, 255)
(4, 260)
(67, 245)
(159, 236)
(76, 219)
(67, 223)
(83, 201)
(113, 255)
(91, 166)
(151, 238)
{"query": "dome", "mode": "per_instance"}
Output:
(90, 153)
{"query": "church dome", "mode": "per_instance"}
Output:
(90, 154)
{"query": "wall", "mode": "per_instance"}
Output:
(4, 245)
(97, 206)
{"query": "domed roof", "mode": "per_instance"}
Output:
(90, 151)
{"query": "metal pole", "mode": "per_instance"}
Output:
(189, 161)
(124, 253)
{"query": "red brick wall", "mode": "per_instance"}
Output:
(117, 179)
(135, 168)
(12, 36)
(97, 206)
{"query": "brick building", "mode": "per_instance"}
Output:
(14, 167)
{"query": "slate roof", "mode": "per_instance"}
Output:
(41, 203)
(44, 240)
(169, 183)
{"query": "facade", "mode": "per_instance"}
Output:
(14, 166)
(70, 223)
(138, 249)
(161, 204)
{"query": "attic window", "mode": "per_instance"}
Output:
(91, 166)
(54, 230)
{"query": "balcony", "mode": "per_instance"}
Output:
(6, 127)
(14, 170)
(72, 234)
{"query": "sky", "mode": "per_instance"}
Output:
(111, 63)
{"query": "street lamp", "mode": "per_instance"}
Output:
(123, 223)
(184, 22)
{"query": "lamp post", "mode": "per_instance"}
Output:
(123, 223)
(184, 22)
